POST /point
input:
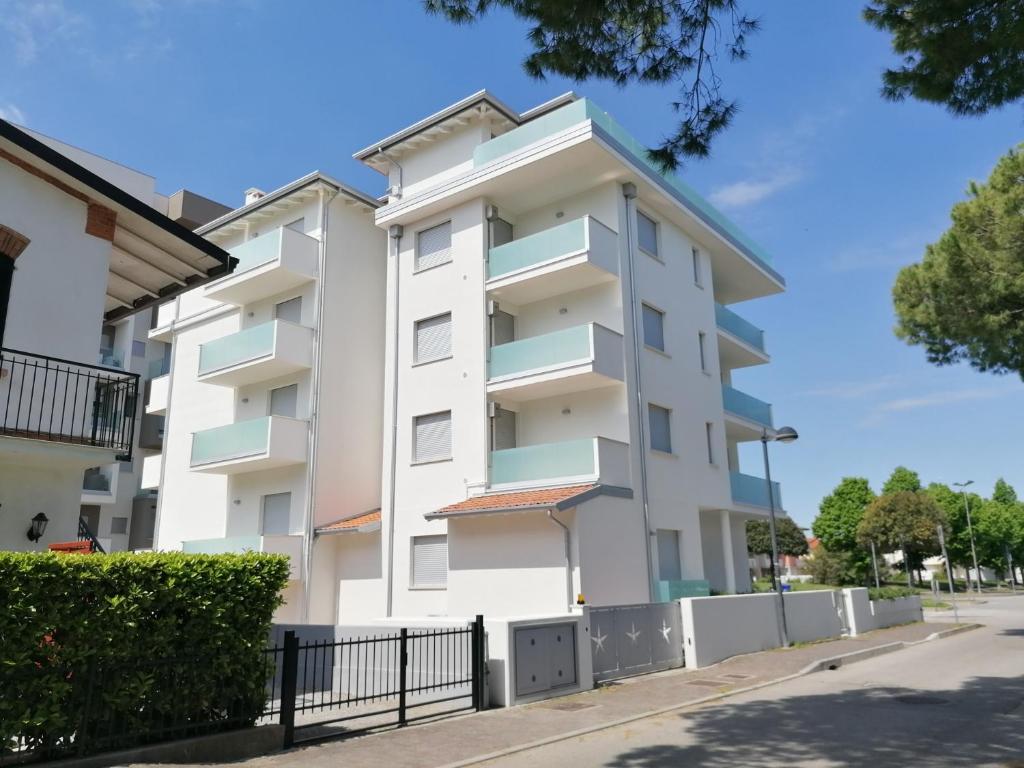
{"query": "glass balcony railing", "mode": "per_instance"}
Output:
(223, 545)
(259, 250)
(666, 591)
(241, 347)
(531, 463)
(579, 111)
(750, 408)
(747, 489)
(539, 352)
(232, 441)
(562, 240)
(742, 329)
(158, 368)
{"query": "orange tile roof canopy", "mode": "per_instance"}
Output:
(367, 520)
(561, 497)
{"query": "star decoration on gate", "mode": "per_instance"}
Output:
(665, 630)
(599, 639)
(634, 634)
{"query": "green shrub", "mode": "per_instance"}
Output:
(130, 640)
(890, 593)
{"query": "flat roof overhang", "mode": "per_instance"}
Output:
(569, 163)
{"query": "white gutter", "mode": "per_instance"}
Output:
(566, 536)
(395, 232)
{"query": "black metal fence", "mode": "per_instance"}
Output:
(377, 680)
(48, 398)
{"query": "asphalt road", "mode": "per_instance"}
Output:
(952, 702)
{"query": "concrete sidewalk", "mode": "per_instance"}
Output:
(465, 739)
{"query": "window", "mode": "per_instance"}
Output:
(430, 561)
(284, 401)
(118, 526)
(695, 253)
(290, 311)
(654, 328)
(661, 429)
(277, 509)
(669, 567)
(647, 234)
(432, 437)
(434, 338)
(138, 348)
(700, 344)
(709, 434)
(434, 246)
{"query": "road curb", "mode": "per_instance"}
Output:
(817, 666)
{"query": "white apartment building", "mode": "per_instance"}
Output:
(560, 412)
(274, 391)
(84, 244)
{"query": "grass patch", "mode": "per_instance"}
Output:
(935, 605)
(795, 586)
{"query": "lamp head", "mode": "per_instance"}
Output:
(38, 527)
(786, 435)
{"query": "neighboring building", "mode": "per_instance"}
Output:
(84, 244)
(274, 391)
(560, 412)
(114, 507)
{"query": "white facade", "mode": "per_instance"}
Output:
(588, 346)
(86, 253)
(274, 391)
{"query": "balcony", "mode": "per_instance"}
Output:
(247, 446)
(59, 412)
(259, 353)
(746, 417)
(271, 545)
(151, 469)
(591, 459)
(571, 256)
(751, 491)
(740, 342)
(571, 360)
(158, 390)
(99, 485)
(267, 265)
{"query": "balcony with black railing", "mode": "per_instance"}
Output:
(49, 399)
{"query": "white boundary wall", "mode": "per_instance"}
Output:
(866, 615)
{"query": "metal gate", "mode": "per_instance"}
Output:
(325, 689)
(633, 639)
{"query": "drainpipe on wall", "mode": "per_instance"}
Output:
(629, 193)
(326, 196)
(396, 190)
(167, 420)
(395, 232)
(566, 534)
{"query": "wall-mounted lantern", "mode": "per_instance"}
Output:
(38, 527)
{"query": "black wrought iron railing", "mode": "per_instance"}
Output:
(85, 534)
(48, 398)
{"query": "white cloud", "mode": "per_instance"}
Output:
(750, 191)
(934, 400)
(11, 113)
(852, 390)
(33, 25)
(895, 252)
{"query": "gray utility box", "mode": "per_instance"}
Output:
(545, 658)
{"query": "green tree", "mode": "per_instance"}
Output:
(958, 539)
(902, 479)
(634, 41)
(1004, 492)
(965, 300)
(905, 520)
(790, 537)
(840, 513)
(967, 55)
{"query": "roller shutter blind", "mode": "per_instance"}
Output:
(434, 246)
(430, 561)
(433, 436)
(647, 234)
(434, 338)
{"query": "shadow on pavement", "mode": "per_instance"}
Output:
(979, 723)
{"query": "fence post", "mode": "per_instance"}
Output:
(289, 677)
(479, 664)
(82, 737)
(403, 662)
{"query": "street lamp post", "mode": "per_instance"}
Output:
(970, 531)
(782, 435)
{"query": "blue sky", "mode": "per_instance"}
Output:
(842, 187)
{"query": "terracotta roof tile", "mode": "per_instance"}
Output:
(538, 497)
(348, 523)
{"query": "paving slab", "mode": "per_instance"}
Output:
(463, 739)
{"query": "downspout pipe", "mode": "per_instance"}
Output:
(395, 233)
(566, 535)
(392, 190)
(326, 196)
(629, 192)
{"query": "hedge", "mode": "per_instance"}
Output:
(105, 648)
(890, 593)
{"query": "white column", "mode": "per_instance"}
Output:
(727, 554)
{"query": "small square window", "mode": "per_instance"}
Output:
(661, 428)
(118, 526)
(647, 234)
(432, 437)
(277, 511)
(434, 338)
(138, 348)
(430, 561)
(654, 327)
(434, 246)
